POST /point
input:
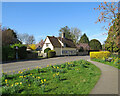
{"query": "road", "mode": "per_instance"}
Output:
(17, 66)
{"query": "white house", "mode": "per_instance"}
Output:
(62, 46)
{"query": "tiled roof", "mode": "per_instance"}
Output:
(55, 42)
(67, 42)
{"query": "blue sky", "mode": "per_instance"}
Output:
(46, 18)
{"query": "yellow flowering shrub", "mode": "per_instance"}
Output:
(32, 46)
(100, 54)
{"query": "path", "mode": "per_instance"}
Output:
(108, 82)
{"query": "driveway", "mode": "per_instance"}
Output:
(17, 66)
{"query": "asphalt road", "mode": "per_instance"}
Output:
(17, 66)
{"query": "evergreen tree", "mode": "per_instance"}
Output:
(84, 39)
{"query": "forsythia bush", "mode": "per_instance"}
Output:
(32, 46)
(100, 54)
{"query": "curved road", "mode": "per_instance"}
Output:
(107, 84)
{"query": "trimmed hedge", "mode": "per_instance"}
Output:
(51, 53)
(100, 54)
(9, 52)
(46, 50)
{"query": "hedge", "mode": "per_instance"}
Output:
(8, 53)
(46, 50)
(51, 53)
(100, 54)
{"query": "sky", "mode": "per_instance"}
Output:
(43, 19)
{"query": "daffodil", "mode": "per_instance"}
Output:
(29, 85)
(57, 67)
(33, 76)
(12, 85)
(41, 81)
(6, 80)
(44, 80)
(20, 83)
(16, 83)
(28, 68)
(38, 77)
(13, 71)
(10, 71)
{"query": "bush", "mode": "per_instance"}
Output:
(32, 46)
(46, 50)
(81, 49)
(22, 53)
(7, 53)
(95, 45)
(100, 54)
(51, 53)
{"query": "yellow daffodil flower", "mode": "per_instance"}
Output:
(12, 85)
(20, 83)
(44, 80)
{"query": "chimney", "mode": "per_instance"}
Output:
(63, 35)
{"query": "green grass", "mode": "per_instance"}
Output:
(115, 62)
(77, 77)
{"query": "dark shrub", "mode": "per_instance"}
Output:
(95, 45)
(22, 53)
(46, 50)
(7, 53)
(81, 49)
(51, 53)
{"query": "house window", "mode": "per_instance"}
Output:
(64, 51)
(47, 44)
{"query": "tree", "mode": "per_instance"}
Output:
(84, 39)
(95, 45)
(26, 38)
(73, 33)
(65, 30)
(110, 43)
(9, 36)
(76, 34)
(110, 12)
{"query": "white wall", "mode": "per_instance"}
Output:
(58, 51)
(49, 46)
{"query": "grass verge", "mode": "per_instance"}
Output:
(77, 77)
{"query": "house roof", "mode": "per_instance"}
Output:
(55, 42)
(84, 45)
(67, 42)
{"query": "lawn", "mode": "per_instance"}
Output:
(76, 77)
(115, 62)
